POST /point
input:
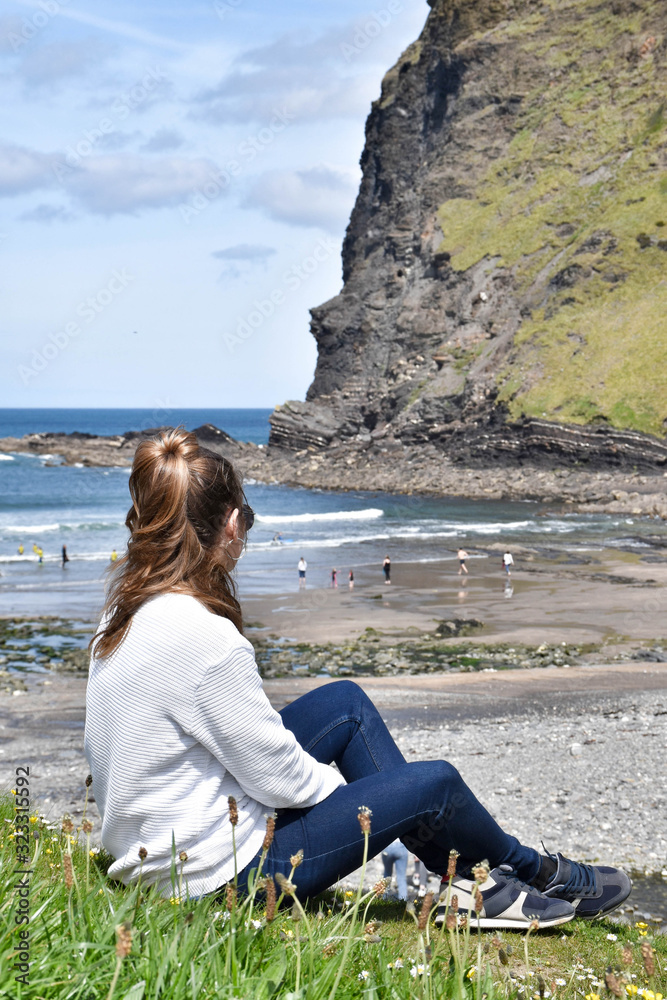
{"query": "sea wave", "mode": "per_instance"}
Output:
(338, 515)
(92, 525)
(65, 526)
(29, 529)
(51, 557)
(6, 458)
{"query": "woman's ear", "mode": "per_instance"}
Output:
(231, 527)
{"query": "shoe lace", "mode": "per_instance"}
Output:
(581, 880)
(511, 875)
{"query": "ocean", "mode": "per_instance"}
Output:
(244, 425)
(50, 505)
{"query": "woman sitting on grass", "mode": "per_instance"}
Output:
(177, 721)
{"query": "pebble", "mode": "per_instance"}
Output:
(524, 771)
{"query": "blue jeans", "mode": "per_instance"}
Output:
(396, 856)
(425, 803)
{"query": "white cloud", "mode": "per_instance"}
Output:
(246, 252)
(163, 140)
(320, 196)
(49, 64)
(241, 258)
(109, 185)
(121, 28)
(110, 142)
(316, 78)
(24, 170)
(46, 214)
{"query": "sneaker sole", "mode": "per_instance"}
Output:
(602, 913)
(488, 923)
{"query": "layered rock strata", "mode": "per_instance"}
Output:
(380, 464)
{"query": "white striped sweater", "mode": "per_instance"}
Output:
(176, 721)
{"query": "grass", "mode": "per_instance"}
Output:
(93, 939)
(580, 186)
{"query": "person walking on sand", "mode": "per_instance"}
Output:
(463, 555)
(386, 568)
(175, 707)
(64, 556)
(508, 562)
(302, 566)
(334, 577)
(350, 578)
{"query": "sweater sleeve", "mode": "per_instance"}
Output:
(233, 718)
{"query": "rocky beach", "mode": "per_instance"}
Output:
(379, 462)
(573, 757)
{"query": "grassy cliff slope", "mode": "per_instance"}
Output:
(576, 208)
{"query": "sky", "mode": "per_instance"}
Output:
(175, 183)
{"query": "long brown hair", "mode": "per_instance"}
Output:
(182, 495)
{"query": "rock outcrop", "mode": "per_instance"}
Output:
(504, 292)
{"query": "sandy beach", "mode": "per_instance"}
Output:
(586, 737)
(607, 597)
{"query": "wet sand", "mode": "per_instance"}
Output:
(610, 597)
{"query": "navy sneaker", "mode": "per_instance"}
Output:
(593, 890)
(508, 902)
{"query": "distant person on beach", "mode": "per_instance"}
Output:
(302, 566)
(175, 706)
(114, 555)
(463, 555)
(20, 549)
(420, 877)
(334, 577)
(395, 858)
(64, 556)
(386, 568)
(277, 538)
(40, 555)
(35, 548)
(350, 577)
(508, 562)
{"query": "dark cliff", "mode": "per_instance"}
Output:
(505, 265)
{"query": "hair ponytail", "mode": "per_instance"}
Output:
(181, 494)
